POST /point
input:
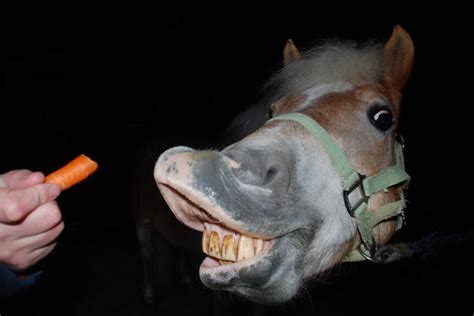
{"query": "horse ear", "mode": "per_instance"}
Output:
(399, 54)
(290, 52)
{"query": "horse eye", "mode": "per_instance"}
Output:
(381, 117)
(270, 113)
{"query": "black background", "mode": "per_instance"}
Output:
(101, 80)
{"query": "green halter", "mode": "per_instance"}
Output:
(353, 182)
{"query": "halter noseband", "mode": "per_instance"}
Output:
(366, 186)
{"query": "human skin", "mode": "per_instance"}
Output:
(30, 219)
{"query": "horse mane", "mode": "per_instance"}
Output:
(331, 63)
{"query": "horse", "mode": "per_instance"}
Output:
(318, 181)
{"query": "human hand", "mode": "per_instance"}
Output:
(30, 219)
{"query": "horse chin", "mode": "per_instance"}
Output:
(272, 277)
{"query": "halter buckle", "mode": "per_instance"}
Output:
(371, 257)
(351, 207)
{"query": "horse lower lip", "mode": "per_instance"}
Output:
(210, 262)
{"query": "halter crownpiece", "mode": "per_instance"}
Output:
(358, 188)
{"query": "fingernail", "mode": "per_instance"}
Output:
(53, 191)
(37, 176)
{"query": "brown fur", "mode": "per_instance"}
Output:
(399, 54)
(336, 112)
(285, 104)
(290, 52)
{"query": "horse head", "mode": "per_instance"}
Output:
(319, 182)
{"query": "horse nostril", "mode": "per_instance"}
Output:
(270, 175)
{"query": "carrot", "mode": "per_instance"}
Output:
(74, 172)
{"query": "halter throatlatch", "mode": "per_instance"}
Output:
(358, 188)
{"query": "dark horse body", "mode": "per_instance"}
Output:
(270, 207)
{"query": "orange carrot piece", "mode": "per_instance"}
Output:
(74, 172)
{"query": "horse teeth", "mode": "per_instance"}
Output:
(205, 242)
(258, 246)
(228, 248)
(246, 249)
(214, 249)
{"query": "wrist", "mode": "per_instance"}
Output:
(12, 282)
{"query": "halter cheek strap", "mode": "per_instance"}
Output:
(358, 188)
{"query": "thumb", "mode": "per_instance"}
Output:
(16, 204)
(20, 179)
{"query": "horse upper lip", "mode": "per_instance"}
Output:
(190, 209)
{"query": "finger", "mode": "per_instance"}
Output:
(29, 259)
(42, 219)
(41, 253)
(20, 179)
(41, 240)
(16, 204)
